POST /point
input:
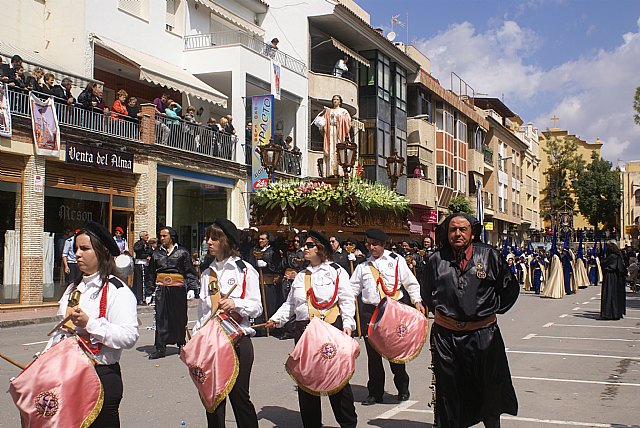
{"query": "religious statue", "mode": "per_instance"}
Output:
(336, 128)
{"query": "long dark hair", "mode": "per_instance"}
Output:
(106, 263)
(323, 252)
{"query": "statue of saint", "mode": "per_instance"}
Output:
(336, 129)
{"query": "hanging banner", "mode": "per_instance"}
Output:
(275, 79)
(46, 130)
(261, 133)
(5, 112)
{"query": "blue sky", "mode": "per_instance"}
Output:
(579, 59)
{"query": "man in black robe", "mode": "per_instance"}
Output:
(613, 296)
(467, 284)
(170, 268)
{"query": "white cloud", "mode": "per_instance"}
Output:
(592, 95)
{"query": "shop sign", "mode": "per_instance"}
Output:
(432, 216)
(38, 183)
(262, 132)
(415, 227)
(488, 225)
(99, 157)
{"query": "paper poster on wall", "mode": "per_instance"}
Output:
(261, 133)
(38, 183)
(5, 112)
(46, 130)
(275, 79)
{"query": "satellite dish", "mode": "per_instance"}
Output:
(391, 36)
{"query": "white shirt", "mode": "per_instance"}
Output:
(323, 282)
(362, 280)
(229, 274)
(118, 330)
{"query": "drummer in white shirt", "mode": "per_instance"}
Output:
(242, 304)
(329, 291)
(393, 273)
(105, 318)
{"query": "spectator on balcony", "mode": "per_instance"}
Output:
(48, 87)
(120, 104)
(172, 110)
(161, 103)
(341, 66)
(288, 142)
(229, 129)
(191, 130)
(91, 98)
(212, 124)
(66, 91)
(9, 72)
(417, 172)
(17, 78)
(223, 124)
(190, 115)
(33, 82)
(133, 109)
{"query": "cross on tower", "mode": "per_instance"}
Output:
(555, 119)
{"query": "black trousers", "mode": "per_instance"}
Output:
(171, 316)
(241, 404)
(111, 379)
(74, 271)
(375, 385)
(341, 402)
(140, 273)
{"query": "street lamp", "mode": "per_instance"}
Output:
(395, 166)
(347, 153)
(270, 155)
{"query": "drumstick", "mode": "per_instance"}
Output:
(60, 324)
(12, 361)
(264, 324)
(233, 287)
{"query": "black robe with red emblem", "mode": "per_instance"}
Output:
(473, 382)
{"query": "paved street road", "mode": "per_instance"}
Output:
(569, 369)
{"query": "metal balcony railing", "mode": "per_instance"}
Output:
(194, 138)
(290, 162)
(488, 155)
(77, 117)
(225, 38)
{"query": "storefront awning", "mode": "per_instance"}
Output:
(232, 17)
(155, 70)
(338, 45)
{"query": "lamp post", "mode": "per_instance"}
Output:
(347, 153)
(395, 167)
(270, 155)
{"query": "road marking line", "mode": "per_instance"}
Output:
(596, 326)
(594, 382)
(577, 308)
(35, 343)
(631, 318)
(593, 298)
(549, 324)
(524, 419)
(529, 336)
(565, 354)
(585, 338)
(584, 303)
(563, 316)
(404, 406)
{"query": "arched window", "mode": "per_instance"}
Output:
(637, 194)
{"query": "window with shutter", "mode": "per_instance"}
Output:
(138, 8)
(171, 15)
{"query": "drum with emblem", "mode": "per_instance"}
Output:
(323, 360)
(232, 328)
(397, 331)
(59, 389)
(212, 362)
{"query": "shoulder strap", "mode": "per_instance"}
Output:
(116, 282)
(393, 255)
(241, 265)
(334, 265)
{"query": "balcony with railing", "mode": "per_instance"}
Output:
(421, 191)
(487, 198)
(194, 138)
(229, 38)
(488, 156)
(77, 117)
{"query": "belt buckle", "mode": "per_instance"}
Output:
(167, 280)
(461, 324)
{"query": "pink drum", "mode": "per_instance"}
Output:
(59, 389)
(323, 360)
(397, 331)
(230, 326)
(212, 362)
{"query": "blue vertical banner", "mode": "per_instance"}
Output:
(261, 133)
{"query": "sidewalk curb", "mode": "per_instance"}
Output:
(142, 310)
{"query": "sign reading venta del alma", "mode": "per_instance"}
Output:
(99, 157)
